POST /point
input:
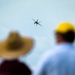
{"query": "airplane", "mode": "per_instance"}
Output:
(37, 22)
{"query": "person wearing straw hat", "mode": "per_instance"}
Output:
(11, 49)
(60, 60)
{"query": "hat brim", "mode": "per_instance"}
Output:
(8, 54)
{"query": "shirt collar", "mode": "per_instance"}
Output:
(66, 45)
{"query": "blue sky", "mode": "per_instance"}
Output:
(18, 14)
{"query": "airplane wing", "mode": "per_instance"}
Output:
(40, 25)
(33, 19)
(40, 22)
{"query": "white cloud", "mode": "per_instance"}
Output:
(4, 28)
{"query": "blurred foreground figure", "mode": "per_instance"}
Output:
(10, 50)
(60, 60)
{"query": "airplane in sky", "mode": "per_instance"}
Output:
(37, 22)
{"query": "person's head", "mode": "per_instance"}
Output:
(65, 32)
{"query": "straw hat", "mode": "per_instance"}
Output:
(15, 46)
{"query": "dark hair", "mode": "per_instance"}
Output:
(68, 37)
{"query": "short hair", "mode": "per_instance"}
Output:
(68, 36)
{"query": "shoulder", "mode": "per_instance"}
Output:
(53, 54)
(21, 68)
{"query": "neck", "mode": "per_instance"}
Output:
(64, 42)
